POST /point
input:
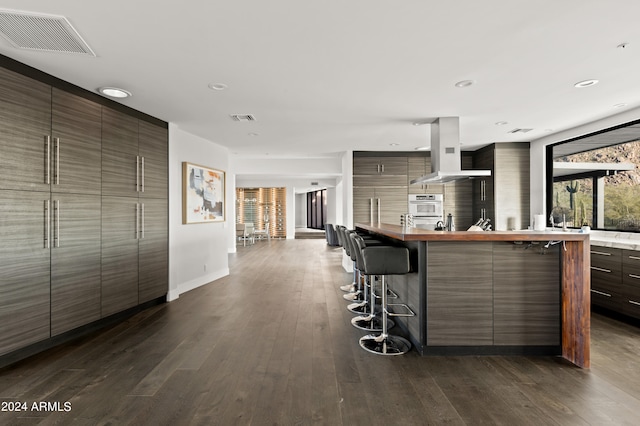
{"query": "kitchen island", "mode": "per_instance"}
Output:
(494, 293)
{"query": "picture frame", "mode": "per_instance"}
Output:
(203, 194)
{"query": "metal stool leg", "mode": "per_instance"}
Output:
(385, 344)
(372, 321)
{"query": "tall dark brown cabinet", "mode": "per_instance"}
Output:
(55, 226)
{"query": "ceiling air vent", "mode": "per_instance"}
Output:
(520, 131)
(243, 117)
(34, 31)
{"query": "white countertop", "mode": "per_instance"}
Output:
(621, 240)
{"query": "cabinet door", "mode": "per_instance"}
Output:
(24, 269)
(120, 165)
(393, 166)
(120, 216)
(153, 255)
(76, 131)
(153, 149)
(364, 205)
(526, 295)
(392, 204)
(459, 297)
(366, 166)
(25, 129)
(75, 261)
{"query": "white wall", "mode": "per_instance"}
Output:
(538, 152)
(301, 210)
(197, 252)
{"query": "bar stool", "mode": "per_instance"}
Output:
(357, 293)
(341, 230)
(370, 319)
(387, 260)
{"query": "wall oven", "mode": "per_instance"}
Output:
(427, 210)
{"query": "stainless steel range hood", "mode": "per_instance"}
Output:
(445, 154)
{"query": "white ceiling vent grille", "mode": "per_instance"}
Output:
(520, 131)
(243, 117)
(34, 31)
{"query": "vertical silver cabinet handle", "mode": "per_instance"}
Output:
(56, 163)
(47, 223)
(137, 220)
(47, 172)
(137, 173)
(371, 210)
(379, 204)
(56, 218)
(142, 180)
(142, 223)
(383, 168)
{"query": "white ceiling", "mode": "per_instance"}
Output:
(327, 76)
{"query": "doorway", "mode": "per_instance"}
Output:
(317, 209)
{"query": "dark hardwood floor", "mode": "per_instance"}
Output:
(271, 344)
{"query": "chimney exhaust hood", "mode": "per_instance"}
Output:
(445, 154)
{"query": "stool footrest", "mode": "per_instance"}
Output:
(399, 310)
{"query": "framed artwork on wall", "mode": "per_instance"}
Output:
(203, 196)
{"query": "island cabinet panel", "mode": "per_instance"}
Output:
(25, 230)
(25, 132)
(75, 261)
(526, 294)
(459, 294)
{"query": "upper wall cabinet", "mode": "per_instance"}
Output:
(50, 138)
(380, 171)
(134, 157)
(25, 133)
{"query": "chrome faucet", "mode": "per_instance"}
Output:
(551, 220)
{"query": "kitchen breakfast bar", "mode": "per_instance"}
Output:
(494, 293)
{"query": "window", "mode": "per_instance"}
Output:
(596, 181)
(573, 202)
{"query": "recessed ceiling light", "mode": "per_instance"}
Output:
(620, 105)
(217, 86)
(253, 134)
(464, 83)
(394, 144)
(114, 92)
(501, 123)
(422, 148)
(585, 83)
